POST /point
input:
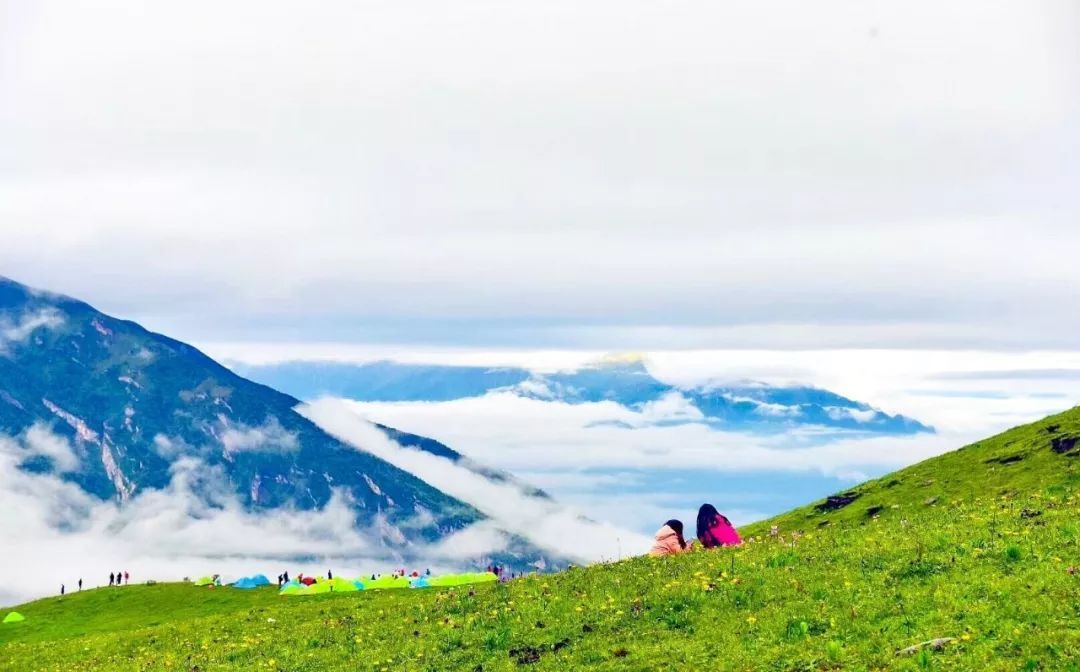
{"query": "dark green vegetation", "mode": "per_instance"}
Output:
(976, 549)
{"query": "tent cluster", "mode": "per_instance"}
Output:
(335, 585)
(389, 582)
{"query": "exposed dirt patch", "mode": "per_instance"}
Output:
(836, 502)
(1052, 429)
(874, 510)
(525, 655)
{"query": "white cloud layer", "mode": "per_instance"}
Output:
(616, 174)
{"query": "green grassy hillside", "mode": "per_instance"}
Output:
(979, 546)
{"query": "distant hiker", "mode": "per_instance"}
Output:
(127, 577)
(669, 539)
(428, 572)
(329, 575)
(279, 580)
(61, 590)
(714, 529)
(119, 576)
(286, 577)
(372, 577)
(111, 578)
(80, 585)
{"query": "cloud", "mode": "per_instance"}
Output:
(18, 330)
(672, 407)
(485, 158)
(519, 434)
(839, 413)
(39, 440)
(269, 437)
(547, 524)
(1014, 374)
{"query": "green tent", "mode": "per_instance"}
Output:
(205, 581)
(461, 579)
(14, 617)
(340, 585)
(317, 588)
(384, 582)
(291, 588)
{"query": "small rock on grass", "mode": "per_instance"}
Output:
(935, 644)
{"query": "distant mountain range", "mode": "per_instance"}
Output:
(742, 406)
(133, 403)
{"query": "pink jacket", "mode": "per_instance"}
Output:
(720, 534)
(667, 543)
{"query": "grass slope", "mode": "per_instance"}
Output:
(975, 546)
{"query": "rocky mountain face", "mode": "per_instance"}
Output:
(133, 403)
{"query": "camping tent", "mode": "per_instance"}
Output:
(422, 582)
(205, 581)
(384, 582)
(291, 588)
(249, 582)
(14, 617)
(341, 585)
(460, 579)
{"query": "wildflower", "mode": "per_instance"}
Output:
(751, 620)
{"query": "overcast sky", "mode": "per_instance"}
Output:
(603, 174)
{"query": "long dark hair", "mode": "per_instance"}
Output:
(706, 518)
(678, 527)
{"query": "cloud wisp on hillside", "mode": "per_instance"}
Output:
(549, 525)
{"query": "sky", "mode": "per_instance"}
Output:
(874, 197)
(615, 175)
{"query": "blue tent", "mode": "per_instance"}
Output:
(422, 582)
(249, 582)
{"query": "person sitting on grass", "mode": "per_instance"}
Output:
(714, 529)
(669, 539)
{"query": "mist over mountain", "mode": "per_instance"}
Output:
(621, 379)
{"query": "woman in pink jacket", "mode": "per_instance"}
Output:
(714, 530)
(669, 539)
